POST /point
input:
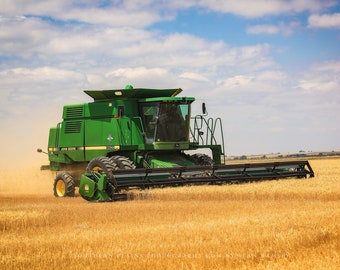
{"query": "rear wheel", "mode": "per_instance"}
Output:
(123, 163)
(64, 185)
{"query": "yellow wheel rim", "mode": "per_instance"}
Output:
(60, 188)
(97, 169)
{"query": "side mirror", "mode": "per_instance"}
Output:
(39, 150)
(204, 109)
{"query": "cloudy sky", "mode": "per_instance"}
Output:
(269, 69)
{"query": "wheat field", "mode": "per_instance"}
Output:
(286, 224)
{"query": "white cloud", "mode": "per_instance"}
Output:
(139, 72)
(49, 57)
(285, 29)
(137, 14)
(236, 82)
(331, 66)
(46, 74)
(260, 82)
(321, 78)
(144, 13)
(324, 21)
(259, 8)
(270, 75)
(193, 76)
(155, 77)
(12, 18)
(20, 37)
(262, 29)
(94, 51)
(113, 17)
(43, 84)
(318, 85)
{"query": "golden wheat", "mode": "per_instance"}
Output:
(288, 224)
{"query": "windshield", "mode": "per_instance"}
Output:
(165, 121)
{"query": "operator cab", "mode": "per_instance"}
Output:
(166, 121)
(165, 116)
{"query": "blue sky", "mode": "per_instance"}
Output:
(270, 69)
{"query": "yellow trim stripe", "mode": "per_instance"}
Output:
(115, 147)
(95, 148)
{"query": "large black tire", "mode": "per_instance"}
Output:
(123, 163)
(64, 185)
(101, 165)
(201, 159)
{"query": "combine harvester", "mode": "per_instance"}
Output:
(141, 138)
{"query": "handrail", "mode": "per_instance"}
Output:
(209, 127)
(57, 137)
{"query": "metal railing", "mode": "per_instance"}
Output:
(207, 131)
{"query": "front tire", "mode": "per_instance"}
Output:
(64, 185)
(101, 165)
(104, 165)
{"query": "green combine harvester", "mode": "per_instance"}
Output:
(142, 138)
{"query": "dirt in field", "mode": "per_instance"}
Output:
(28, 180)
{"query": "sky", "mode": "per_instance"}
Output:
(269, 69)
